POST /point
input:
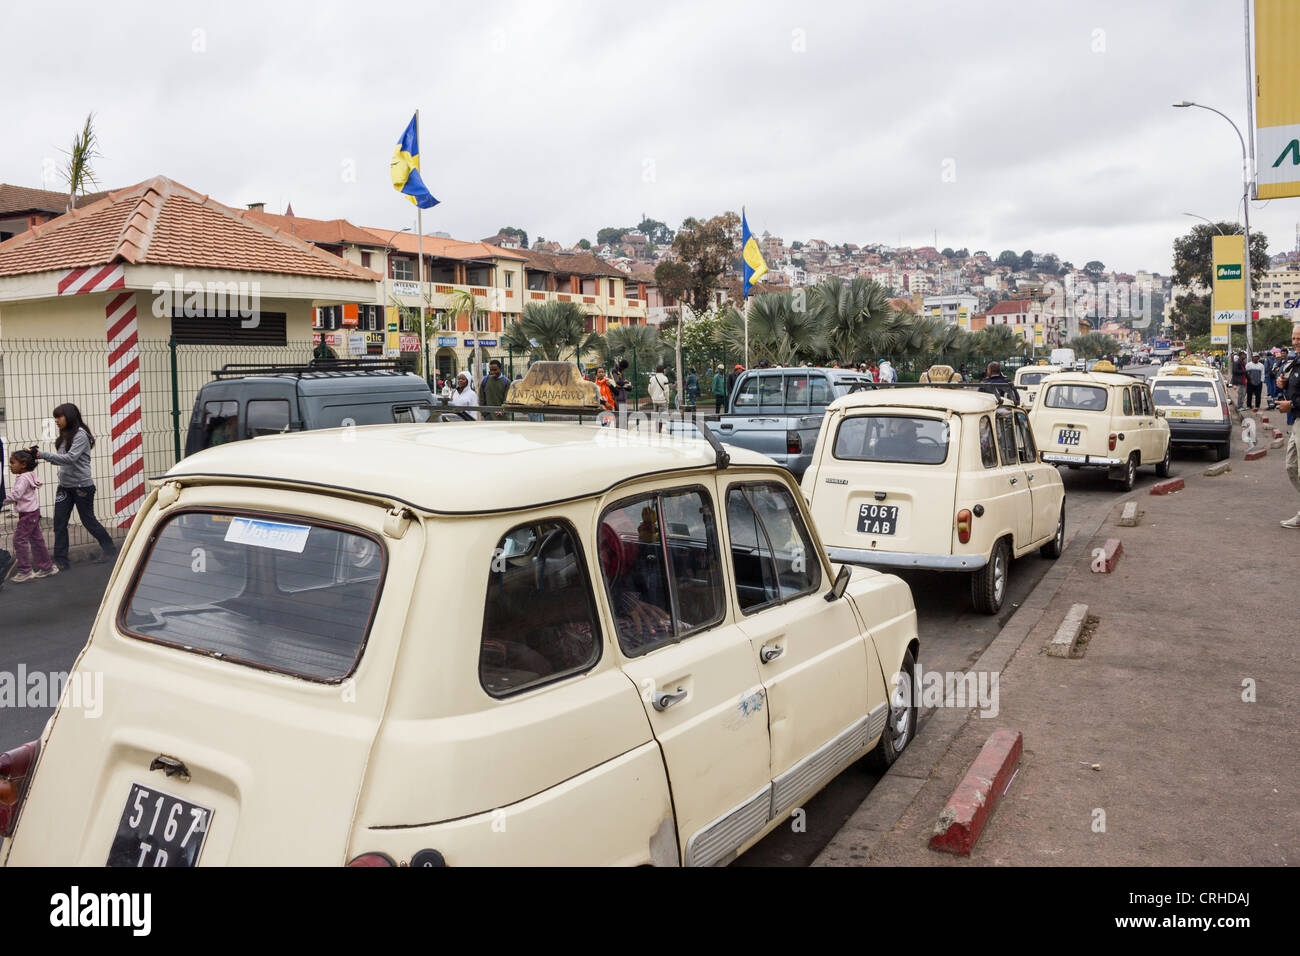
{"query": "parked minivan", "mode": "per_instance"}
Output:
(245, 401)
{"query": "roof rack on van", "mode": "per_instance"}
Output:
(314, 367)
(1006, 392)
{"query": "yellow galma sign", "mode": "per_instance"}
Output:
(1229, 303)
(1277, 98)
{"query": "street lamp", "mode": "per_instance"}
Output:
(1215, 225)
(1245, 199)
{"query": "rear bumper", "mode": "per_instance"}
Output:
(1087, 461)
(1199, 433)
(907, 559)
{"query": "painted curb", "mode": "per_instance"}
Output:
(1066, 638)
(1105, 562)
(1256, 454)
(1168, 486)
(963, 818)
(1215, 470)
(1131, 517)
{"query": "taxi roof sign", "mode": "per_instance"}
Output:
(1103, 366)
(940, 373)
(556, 387)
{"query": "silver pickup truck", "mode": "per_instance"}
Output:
(778, 411)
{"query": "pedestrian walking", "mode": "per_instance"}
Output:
(33, 560)
(887, 373)
(76, 485)
(692, 388)
(658, 390)
(1290, 404)
(1272, 365)
(621, 387)
(1239, 377)
(464, 394)
(719, 392)
(1254, 381)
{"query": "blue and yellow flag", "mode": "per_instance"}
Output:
(752, 262)
(406, 169)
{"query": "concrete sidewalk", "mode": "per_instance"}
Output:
(1142, 752)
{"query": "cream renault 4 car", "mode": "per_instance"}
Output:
(465, 643)
(944, 478)
(1101, 419)
(1029, 378)
(1196, 406)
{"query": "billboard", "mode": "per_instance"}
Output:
(1228, 306)
(1277, 98)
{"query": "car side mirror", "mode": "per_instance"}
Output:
(841, 584)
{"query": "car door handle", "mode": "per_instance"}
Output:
(662, 699)
(1031, 478)
(1014, 480)
(768, 654)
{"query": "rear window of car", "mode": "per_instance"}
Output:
(267, 591)
(1185, 394)
(1086, 398)
(1033, 378)
(906, 439)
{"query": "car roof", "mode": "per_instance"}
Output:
(1092, 378)
(848, 372)
(959, 400)
(1049, 369)
(462, 467)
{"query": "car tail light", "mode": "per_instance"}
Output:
(793, 443)
(15, 775)
(372, 859)
(1112, 442)
(963, 526)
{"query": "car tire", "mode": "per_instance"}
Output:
(900, 724)
(988, 585)
(1054, 547)
(1130, 474)
(1162, 469)
(1223, 450)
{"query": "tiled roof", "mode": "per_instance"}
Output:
(334, 232)
(25, 199)
(584, 264)
(1010, 306)
(161, 222)
(442, 247)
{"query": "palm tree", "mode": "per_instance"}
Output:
(854, 317)
(78, 172)
(996, 343)
(777, 331)
(550, 330)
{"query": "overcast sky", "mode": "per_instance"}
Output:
(1023, 124)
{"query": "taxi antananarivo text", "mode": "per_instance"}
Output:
(465, 643)
(945, 478)
(1101, 419)
(1029, 378)
(1196, 405)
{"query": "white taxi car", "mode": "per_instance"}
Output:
(464, 643)
(944, 478)
(1029, 378)
(1195, 403)
(1101, 419)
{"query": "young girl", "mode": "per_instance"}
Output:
(29, 543)
(76, 487)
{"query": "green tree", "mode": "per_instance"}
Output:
(778, 332)
(854, 318)
(657, 232)
(1008, 258)
(1027, 259)
(996, 343)
(708, 248)
(79, 171)
(1093, 345)
(1094, 267)
(1194, 261)
(552, 331)
(610, 235)
(584, 243)
(1191, 315)
(948, 252)
(1272, 332)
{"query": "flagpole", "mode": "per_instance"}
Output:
(419, 229)
(744, 291)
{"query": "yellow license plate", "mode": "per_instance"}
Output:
(1183, 414)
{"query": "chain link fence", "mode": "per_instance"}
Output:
(38, 374)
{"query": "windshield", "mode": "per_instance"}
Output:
(893, 438)
(270, 592)
(1088, 398)
(1185, 395)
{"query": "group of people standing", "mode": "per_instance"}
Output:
(76, 491)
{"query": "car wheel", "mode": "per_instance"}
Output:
(1130, 474)
(1162, 469)
(988, 585)
(900, 725)
(1223, 451)
(1054, 547)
